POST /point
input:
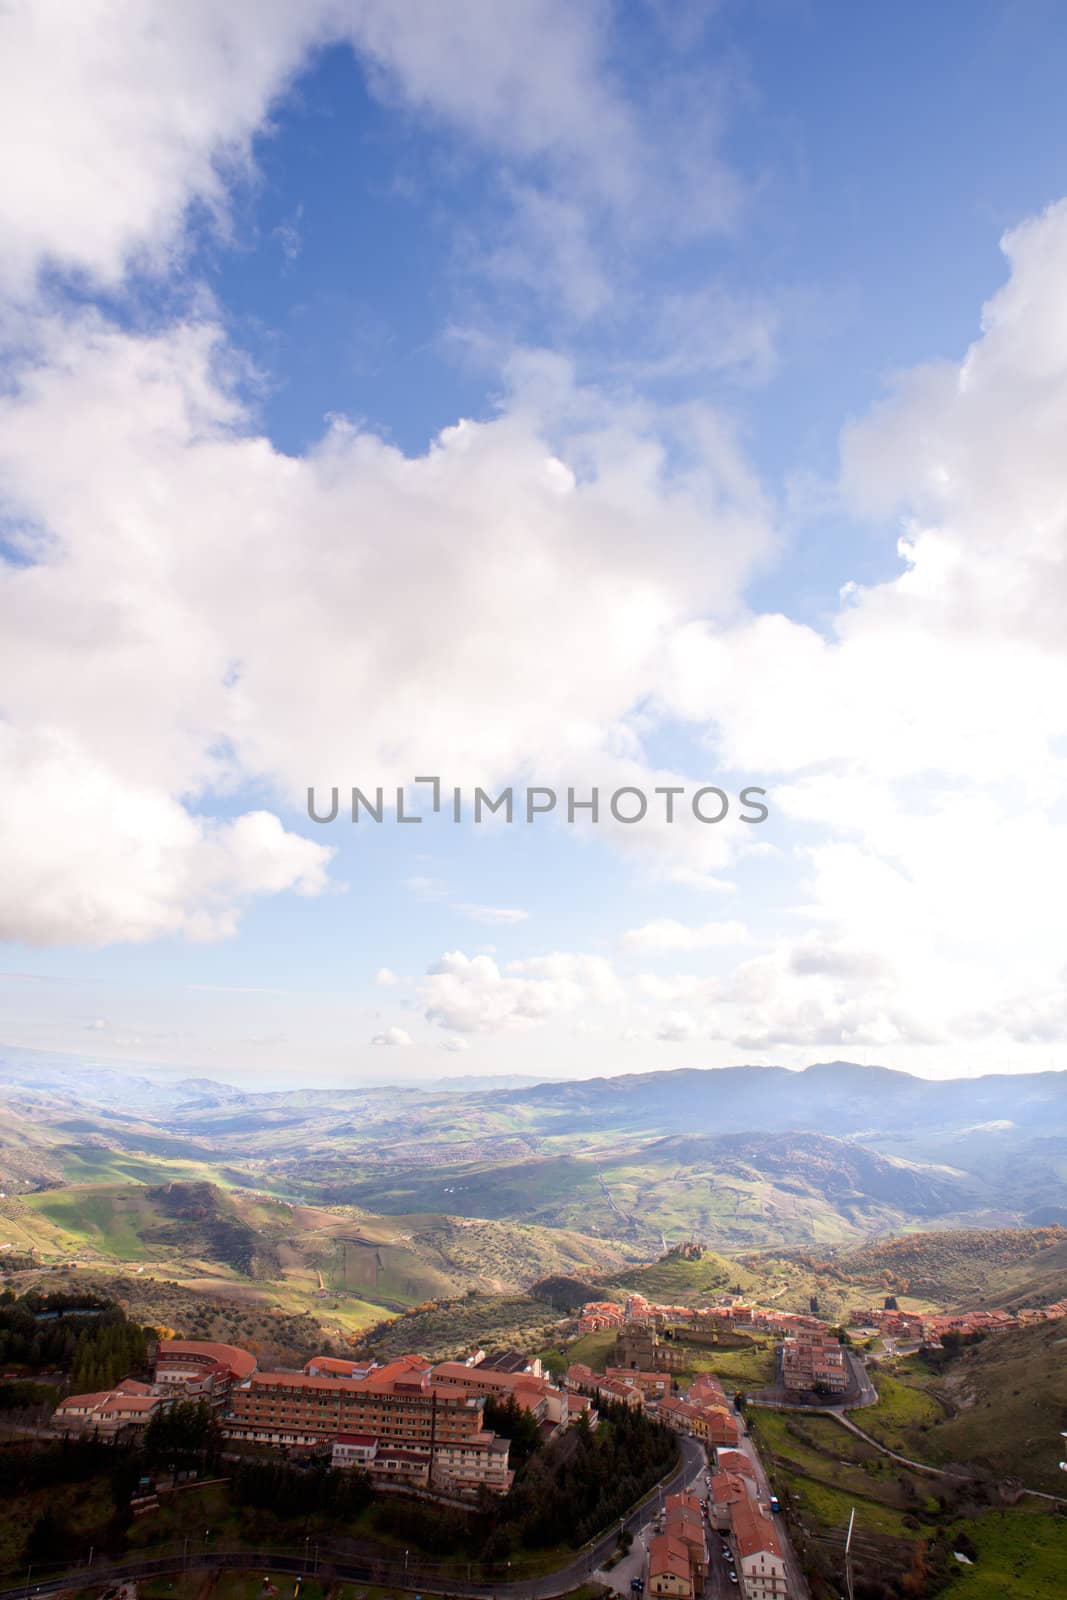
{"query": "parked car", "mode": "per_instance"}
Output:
(637, 1585)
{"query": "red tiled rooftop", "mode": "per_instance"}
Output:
(753, 1531)
(240, 1363)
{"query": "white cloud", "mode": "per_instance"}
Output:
(666, 934)
(92, 857)
(677, 986)
(504, 916)
(117, 121)
(676, 1028)
(182, 688)
(392, 1038)
(114, 119)
(921, 745)
(472, 994)
(385, 978)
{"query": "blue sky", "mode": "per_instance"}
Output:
(732, 299)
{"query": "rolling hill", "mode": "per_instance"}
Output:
(305, 1258)
(1007, 1402)
(969, 1267)
(744, 1158)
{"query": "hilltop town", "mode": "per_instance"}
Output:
(429, 1429)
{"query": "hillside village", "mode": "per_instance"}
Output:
(423, 1427)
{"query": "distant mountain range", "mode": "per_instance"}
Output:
(743, 1156)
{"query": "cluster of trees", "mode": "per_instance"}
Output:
(29, 1467)
(952, 1343)
(23, 1394)
(84, 1335)
(107, 1350)
(512, 1421)
(579, 1483)
(187, 1435)
(289, 1491)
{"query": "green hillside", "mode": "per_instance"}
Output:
(347, 1269)
(677, 1280)
(1007, 1399)
(972, 1267)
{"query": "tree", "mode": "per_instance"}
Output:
(47, 1539)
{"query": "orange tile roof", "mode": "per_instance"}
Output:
(668, 1557)
(81, 1402)
(753, 1531)
(240, 1363)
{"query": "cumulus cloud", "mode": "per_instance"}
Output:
(920, 744)
(146, 111)
(473, 994)
(114, 642)
(392, 1038)
(92, 857)
(153, 111)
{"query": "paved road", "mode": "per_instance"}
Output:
(640, 1523)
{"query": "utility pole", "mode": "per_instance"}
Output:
(848, 1554)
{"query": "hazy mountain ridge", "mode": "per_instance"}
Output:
(741, 1156)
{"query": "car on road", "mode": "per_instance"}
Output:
(775, 1503)
(733, 1577)
(637, 1585)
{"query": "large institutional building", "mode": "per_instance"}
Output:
(416, 1426)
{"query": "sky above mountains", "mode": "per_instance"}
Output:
(641, 396)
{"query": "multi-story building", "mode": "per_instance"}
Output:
(678, 1557)
(653, 1385)
(813, 1362)
(402, 1406)
(607, 1390)
(760, 1556)
(547, 1402)
(126, 1409)
(669, 1573)
(194, 1369)
(714, 1426)
(725, 1491)
(638, 1345)
(335, 1367)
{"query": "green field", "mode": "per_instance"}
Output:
(1022, 1555)
(902, 1414)
(739, 1369)
(830, 1471)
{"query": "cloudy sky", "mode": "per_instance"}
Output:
(657, 395)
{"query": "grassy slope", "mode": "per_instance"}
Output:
(1010, 1397)
(251, 1255)
(963, 1266)
(1022, 1552)
(1022, 1555)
